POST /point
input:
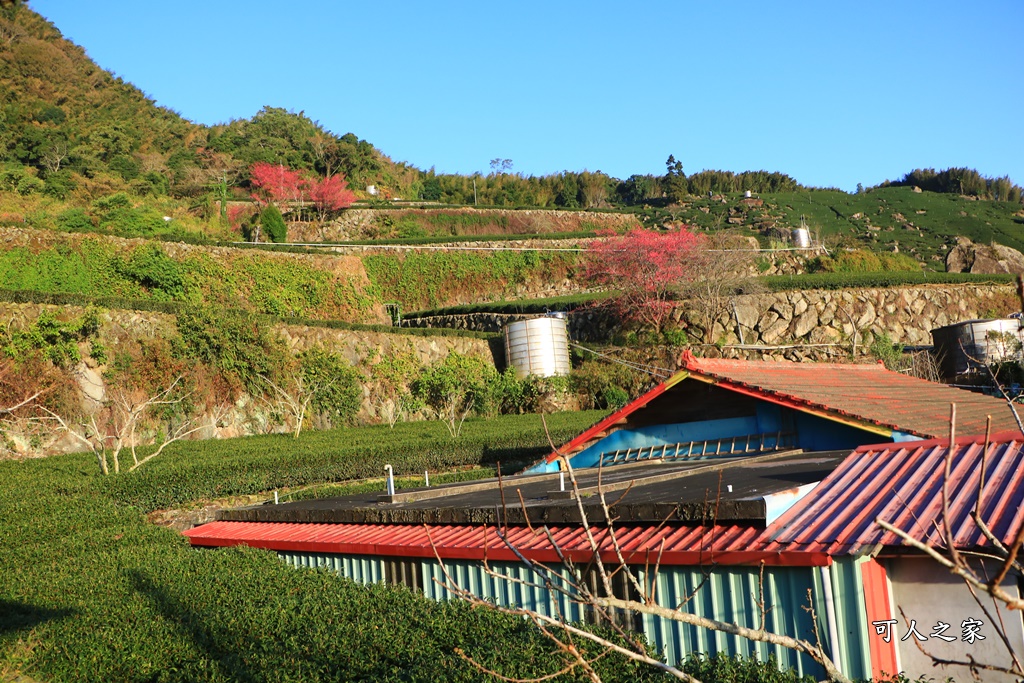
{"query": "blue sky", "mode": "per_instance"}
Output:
(834, 94)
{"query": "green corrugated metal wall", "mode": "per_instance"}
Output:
(520, 589)
(730, 594)
(851, 616)
(361, 568)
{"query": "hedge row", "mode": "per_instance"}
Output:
(91, 592)
(194, 470)
(410, 241)
(173, 307)
(781, 283)
(555, 303)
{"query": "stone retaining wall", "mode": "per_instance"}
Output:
(247, 415)
(798, 325)
(361, 224)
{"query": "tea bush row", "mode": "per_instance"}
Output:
(92, 592)
(428, 279)
(780, 283)
(523, 306)
(244, 280)
(174, 307)
(194, 470)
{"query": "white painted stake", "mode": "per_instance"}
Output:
(391, 479)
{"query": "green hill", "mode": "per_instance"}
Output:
(81, 150)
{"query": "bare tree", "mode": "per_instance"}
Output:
(55, 155)
(716, 272)
(601, 599)
(116, 427)
(297, 395)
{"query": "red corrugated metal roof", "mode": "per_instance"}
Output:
(901, 484)
(676, 545)
(864, 392)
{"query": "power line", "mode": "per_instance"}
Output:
(649, 369)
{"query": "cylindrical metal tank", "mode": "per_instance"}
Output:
(538, 346)
(801, 238)
(972, 344)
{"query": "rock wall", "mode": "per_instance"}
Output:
(841, 317)
(799, 325)
(361, 224)
(246, 415)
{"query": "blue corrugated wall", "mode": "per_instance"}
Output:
(729, 594)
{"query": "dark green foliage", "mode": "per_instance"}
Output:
(57, 340)
(273, 225)
(339, 392)
(722, 668)
(965, 181)
(239, 345)
(75, 220)
(59, 185)
(150, 267)
(101, 594)
(761, 182)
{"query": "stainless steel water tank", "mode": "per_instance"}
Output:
(801, 238)
(972, 344)
(538, 346)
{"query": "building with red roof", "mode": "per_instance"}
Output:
(713, 478)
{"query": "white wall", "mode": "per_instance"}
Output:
(929, 593)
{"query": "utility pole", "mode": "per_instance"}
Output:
(474, 191)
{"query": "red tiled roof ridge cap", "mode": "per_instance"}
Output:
(693, 363)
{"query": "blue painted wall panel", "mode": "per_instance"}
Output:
(818, 434)
(657, 435)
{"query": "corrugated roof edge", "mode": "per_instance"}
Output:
(997, 437)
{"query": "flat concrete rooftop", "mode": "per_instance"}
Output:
(721, 489)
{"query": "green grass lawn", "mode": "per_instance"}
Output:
(91, 592)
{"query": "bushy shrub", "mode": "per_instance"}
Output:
(57, 340)
(863, 261)
(455, 388)
(75, 220)
(239, 345)
(273, 225)
(602, 385)
(60, 184)
(150, 267)
(723, 668)
(30, 184)
(339, 393)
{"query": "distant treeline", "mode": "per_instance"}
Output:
(72, 131)
(588, 190)
(964, 181)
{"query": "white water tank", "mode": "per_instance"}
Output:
(801, 238)
(538, 346)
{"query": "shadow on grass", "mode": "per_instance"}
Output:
(191, 625)
(15, 616)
